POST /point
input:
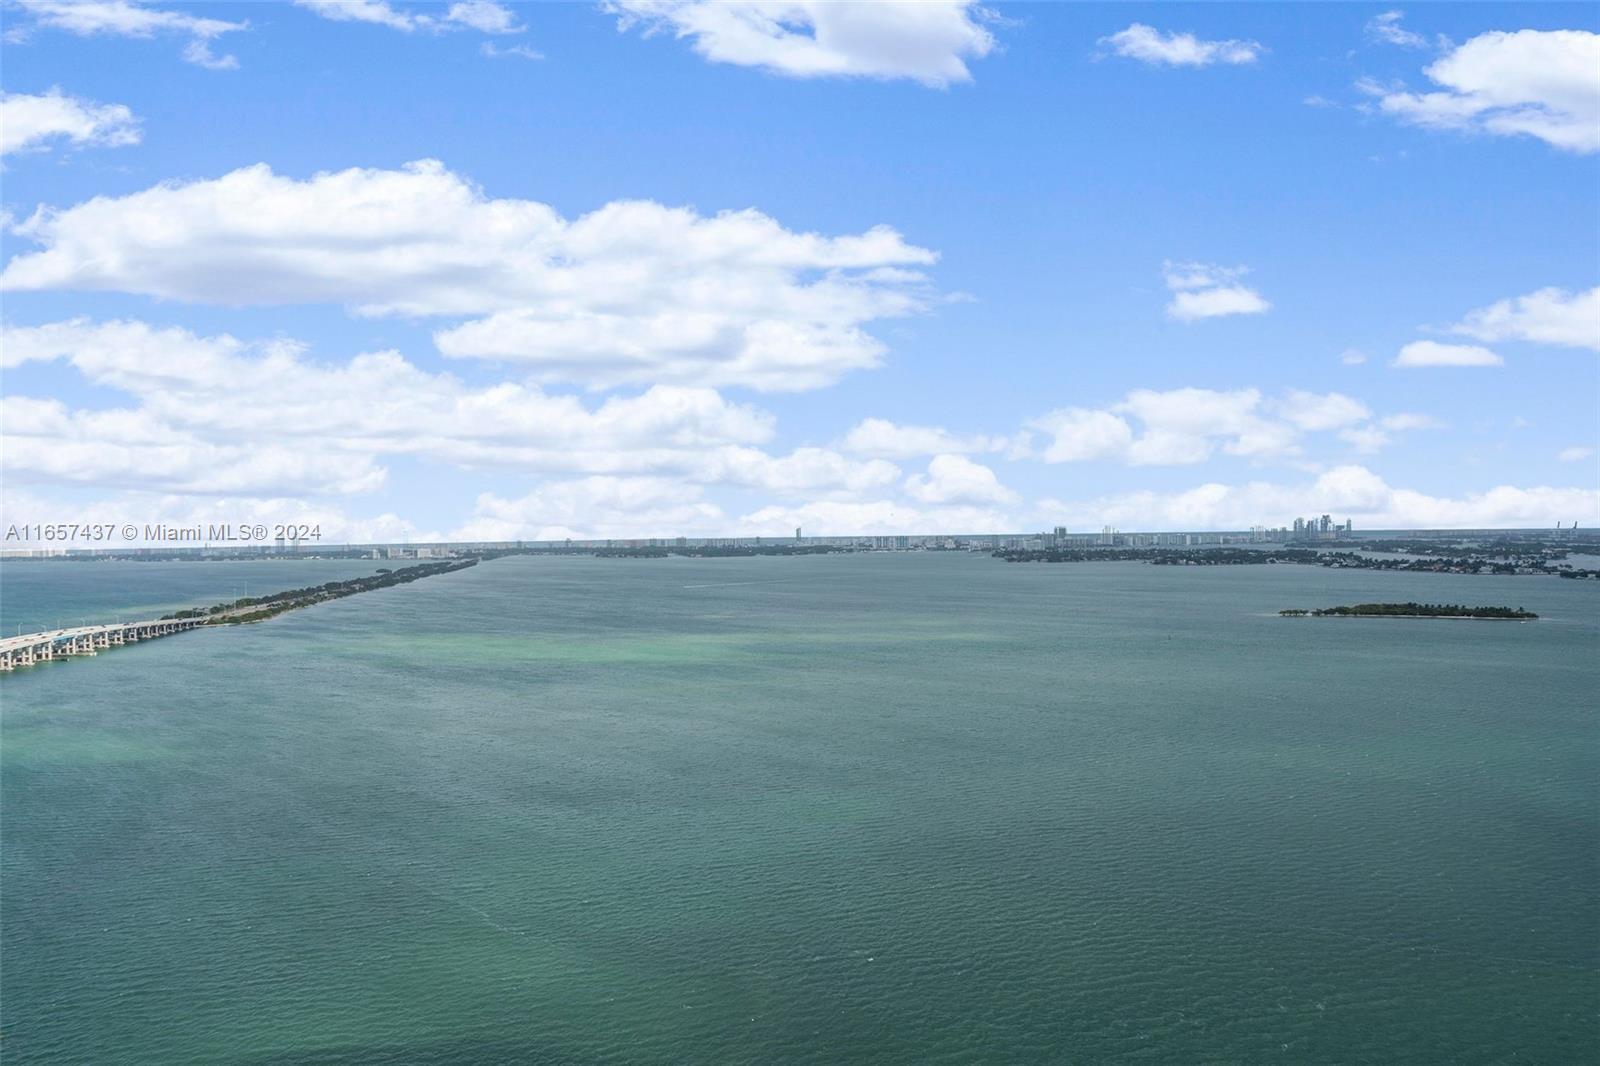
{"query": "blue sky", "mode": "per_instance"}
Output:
(680, 269)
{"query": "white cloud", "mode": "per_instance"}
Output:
(1347, 491)
(1215, 303)
(519, 51)
(889, 440)
(634, 292)
(1549, 316)
(377, 12)
(1366, 439)
(1534, 83)
(1352, 357)
(1408, 421)
(928, 41)
(1387, 29)
(215, 414)
(1080, 434)
(1372, 437)
(1432, 353)
(1150, 45)
(485, 16)
(47, 443)
(30, 122)
(802, 472)
(594, 508)
(1315, 412)
(872, 517)
(957, 479)
(127, 18)
(1574, 454)
(1204, 290)
(1186, 426)
(336, 525)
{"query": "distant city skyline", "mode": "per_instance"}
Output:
(213, 543)
(498, 272)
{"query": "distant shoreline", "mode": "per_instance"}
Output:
(1414, 610)
(1418, 617)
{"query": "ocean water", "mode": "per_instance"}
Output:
(36, 595)
(889, 808)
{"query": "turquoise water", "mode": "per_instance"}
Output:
(910, 808)
(37, 595)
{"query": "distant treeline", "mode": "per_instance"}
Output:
(1523, 546)
(1160, 556)
(1473, 562)
(289, 599)
(1410, 610)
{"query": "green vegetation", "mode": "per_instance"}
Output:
(1161, 556)
(1410, 610)
(1437, 560)
(239, 611)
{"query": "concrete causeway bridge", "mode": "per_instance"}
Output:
(31, 648)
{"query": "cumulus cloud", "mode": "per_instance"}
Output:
(1204, 290)
(1374, 436)
(1531, 83)
(804, 471)
(871, 517)
(927, 42)
(889, 440)
(47, 443)
(957, 479)
(1080, 434)
(634, 292)
(336, 524)
(1432, 353)
(1321, 411)
(594, 508)
(1347, 491)
(485, 16)
(214, 414)
(1575, 454)
(127, 18)
(1150, 45)
(1180, 427)
(640, 507)
(1549, 316)
(31, 122)
(1386, 29)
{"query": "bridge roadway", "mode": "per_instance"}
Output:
(31, 648)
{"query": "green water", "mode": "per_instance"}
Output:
(36, 595)
(918, 808)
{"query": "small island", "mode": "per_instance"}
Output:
(1410, 610)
